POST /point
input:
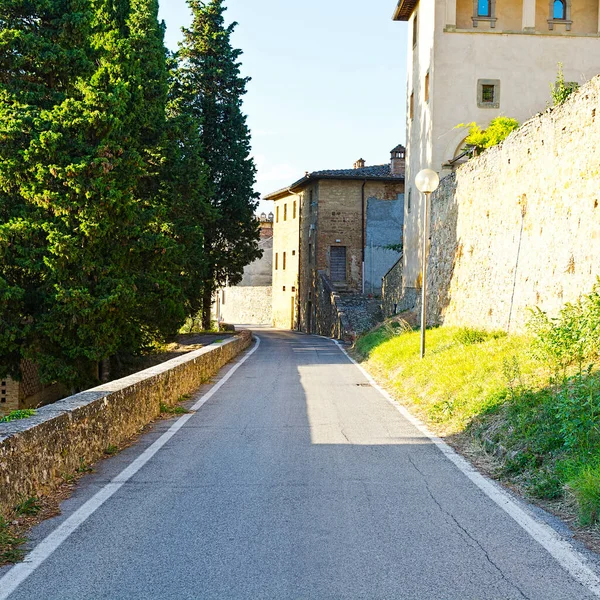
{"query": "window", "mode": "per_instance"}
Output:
(285, 212)
(293, 253)
(409, 204)
(294, 211)
(484, 10)
(488, 93)
(277, 214)
(415, 30)
(284, 261)
(411, 107)
(223, 298)
(337, 264)
(276, 261)
(284, 288)
(560, 12)
(427, 87)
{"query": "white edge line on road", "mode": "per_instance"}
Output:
(20, 572)
(562, 551)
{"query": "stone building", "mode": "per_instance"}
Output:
(471, 61)
(339, 225)
(250, 302)
(29, 392)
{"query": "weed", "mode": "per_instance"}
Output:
(561, 89)
(10, 544)
(165, 409)
(16, 415)
(29, 507)
(586, 488)
(83, 468)
(110, 450)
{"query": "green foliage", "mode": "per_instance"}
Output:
(166, 409)
(16, 415)
(571, 338)
(29, 507)
(214, 89)
(495, 388)
(395, 247)
(586, 488)
(10, 544)
(497, 131)
(468, 335)
(560, 90)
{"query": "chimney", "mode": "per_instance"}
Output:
(360, 163)
(398, 160)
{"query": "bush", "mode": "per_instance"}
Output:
(15, 415)
(561, 89)
(586, 488)
(497, 131)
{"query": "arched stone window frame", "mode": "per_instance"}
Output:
(491, 19)
(566, 21)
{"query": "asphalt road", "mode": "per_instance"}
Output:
(296, 480)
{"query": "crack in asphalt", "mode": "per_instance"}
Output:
(465, 532)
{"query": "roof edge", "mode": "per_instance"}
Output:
(404, 10)
(298, 185)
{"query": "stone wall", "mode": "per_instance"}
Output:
(519, 226)
(36, 453)
(326, 317)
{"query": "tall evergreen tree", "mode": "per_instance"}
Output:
(186, 190)
(86, 253)
(211, 69)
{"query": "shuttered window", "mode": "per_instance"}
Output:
(338, 264)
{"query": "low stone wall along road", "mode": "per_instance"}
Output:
(295, 479)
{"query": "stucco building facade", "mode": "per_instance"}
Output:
(250, 302)
(471, 61)
(345, 225)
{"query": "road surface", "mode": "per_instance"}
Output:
(296, 480)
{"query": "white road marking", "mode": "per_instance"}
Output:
(563, 552)
(19, 573)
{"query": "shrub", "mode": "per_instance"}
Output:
(586, 488)
(15, 415)
(497, 131)
(561, 89)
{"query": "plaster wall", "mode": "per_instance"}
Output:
(286, 231)
(385, 221)
(524, 63)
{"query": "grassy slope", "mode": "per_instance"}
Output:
(488, 386)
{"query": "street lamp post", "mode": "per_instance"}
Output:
(427, 181)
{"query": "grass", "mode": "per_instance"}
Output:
(461, 376)
(16, 415)
(176, 409)
(540, 419)
(10, 544)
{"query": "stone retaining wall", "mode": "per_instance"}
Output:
(519, 226)
(36, 453)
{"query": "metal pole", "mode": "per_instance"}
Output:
(424, 272)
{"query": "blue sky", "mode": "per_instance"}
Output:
(328, 82)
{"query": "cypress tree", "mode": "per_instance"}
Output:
(211, 70)
(85, 250)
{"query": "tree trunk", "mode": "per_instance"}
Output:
(207, 301)
(105, 370)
